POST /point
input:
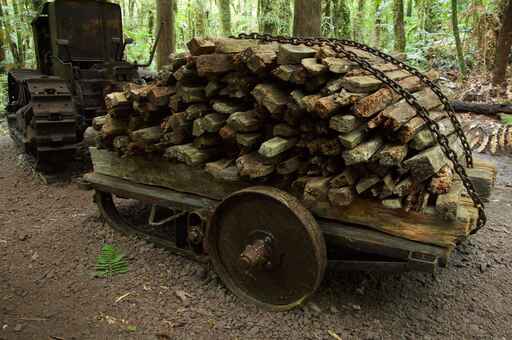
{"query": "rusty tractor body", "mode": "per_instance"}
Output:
(80, 57)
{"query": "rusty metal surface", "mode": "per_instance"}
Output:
(267, 248)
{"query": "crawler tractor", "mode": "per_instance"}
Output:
(80, 57)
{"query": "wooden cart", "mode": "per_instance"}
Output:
(269, 247)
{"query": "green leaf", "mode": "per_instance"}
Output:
(110, 262)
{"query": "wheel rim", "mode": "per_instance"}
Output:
(267, 248)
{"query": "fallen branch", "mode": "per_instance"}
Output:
(482, 108)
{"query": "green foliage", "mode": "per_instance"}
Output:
(110, 262)
(506, 119)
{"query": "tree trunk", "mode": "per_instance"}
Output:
(399, 26)
(458, 44)
(410, 5)
(225, 16)
(378, 23)
(307, 18)
(265, 21)
(2, 37)
(200, 19)
(342, 19)
(503, 46)
(357, 30)
(166, 13)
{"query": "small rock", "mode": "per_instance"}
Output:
(18, 328)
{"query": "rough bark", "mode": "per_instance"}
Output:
(307, 18)
(399, 25)
(225, 16)
(503, 46)
(456, 35)
(166, 13)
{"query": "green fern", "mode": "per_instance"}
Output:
(506, 119)
(110, 262)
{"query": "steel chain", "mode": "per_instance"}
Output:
(339, 47)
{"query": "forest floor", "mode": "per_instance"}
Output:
(50, 236)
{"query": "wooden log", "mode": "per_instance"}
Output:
(249, 140)
(253, 165)
(333, 86)
(363, 152)
(366, 183)
(483, 176)
(447, 204)
(227, 107)
(260, 59)
(223, 169)
(425, 138)
(191, 155)
(195, 111)
(378, 101)
(248, 121)
(116, 100)
(230, 46)
(415, 125)
(344, 123)
(428, 162)
(338, 65)
(368, 84)
(314, 67)
(293, 54)
(392, 155)
(310, 101)
(159, 96)
(192, 94)
(352, 139)
(213, 122)
(341, 197)
(404, 187)
(316, 189)
(482, 108)
(401, 112)
(198, 46)
(98, 122)
(295, 74)
(442, 181)
(276, 146)
(271, 97)
(113, 127)
(147, 135)
(347, 178)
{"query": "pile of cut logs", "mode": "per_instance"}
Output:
(302, 117)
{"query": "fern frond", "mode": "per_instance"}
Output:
(110, 262)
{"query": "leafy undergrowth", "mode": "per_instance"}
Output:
(110, 262)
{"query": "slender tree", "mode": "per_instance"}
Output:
(266, 20)
(307, 18)
(342, 19)
(2, 36)
(503, 45)
(458, 44)
(399, 25)
(166, 14)
(410, 6)
(378, 23)
(225, 16)
(357, 22)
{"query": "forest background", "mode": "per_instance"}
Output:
(458, 36)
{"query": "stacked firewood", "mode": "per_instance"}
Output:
(303, 117)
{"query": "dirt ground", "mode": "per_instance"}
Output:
(51, 235)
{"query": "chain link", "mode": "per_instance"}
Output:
(339, 46)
